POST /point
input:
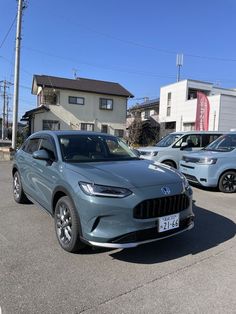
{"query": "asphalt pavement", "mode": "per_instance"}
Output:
(194, 272)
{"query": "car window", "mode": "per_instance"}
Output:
(33, 145)
(49, 147)
(225, 143)
(88, 148)
(168, 140)
(208, 138)
(180, 141)
(24, 145)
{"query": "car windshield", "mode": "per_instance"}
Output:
(92, 148)
(168, 140)
(224, 143)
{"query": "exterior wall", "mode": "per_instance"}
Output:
(72, 115)
(227, 113)
(183, 110)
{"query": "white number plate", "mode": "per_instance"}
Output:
(168, 222)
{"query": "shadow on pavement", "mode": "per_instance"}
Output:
(210, 230)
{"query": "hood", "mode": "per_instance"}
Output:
(132, 173)
(151, 149)
(207, 154)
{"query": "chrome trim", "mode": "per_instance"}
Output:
(130, 245)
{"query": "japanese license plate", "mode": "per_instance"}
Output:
(168, 222)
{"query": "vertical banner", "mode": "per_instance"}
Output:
(202, 113)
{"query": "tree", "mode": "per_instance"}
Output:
(149, 134)
(135, 131)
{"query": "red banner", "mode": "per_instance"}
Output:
(202, 113)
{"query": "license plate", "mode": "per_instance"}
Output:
(168, 222)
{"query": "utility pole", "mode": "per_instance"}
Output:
(21, 6)
(5, 108)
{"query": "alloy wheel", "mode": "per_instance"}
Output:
(229, 182)
(64, 224)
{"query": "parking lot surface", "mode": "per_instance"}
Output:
(192, 272)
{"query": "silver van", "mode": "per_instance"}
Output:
(214, 166)
(170, 149)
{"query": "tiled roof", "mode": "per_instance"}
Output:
(81, 84)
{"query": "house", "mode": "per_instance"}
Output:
(146, 114)
(80, 104)
(178, 103)
(148, 110)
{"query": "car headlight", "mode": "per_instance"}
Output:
(207, 161)
(186, 185)
(103, 190)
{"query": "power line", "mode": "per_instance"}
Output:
(141, 45)
(8, 32)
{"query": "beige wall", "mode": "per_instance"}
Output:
(70, 115)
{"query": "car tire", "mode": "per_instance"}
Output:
(227, 182)
(18, 192)
(169, 163)
(67, 225)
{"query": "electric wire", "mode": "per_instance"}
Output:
(8, 32)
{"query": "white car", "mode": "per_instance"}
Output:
(170, 149)
(214, 166)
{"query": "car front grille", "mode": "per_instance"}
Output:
(159, 207)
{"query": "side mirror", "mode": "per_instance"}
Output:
(41, 154)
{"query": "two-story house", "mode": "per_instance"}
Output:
(80, 104)
(178, 103)
(147, 110)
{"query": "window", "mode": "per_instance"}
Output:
(189, 126)
(50, 98)
(192, 93)
(170, 125)
(87, 126)
(76, 100)
(32, 146)
(168, 99)
(168, 111)
(104, 128)
(146, 114)
(51, 125)
(119, 132)
(106, 104)
(208, 138)
(193, 139)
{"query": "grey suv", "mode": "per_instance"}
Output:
(99, 192)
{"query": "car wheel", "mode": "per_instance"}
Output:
(227, 182)
(169, 163)
(67, 225)
(18, 192)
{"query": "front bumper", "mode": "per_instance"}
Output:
(203, 175)
(138, 238)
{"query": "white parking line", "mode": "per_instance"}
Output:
(0, 310)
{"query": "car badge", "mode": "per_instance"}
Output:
(165, 190)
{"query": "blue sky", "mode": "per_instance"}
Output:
(132, 42)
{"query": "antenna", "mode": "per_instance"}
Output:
(75, 73)
(179, 64)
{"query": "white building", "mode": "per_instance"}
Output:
(80, 104)
(178, 103)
